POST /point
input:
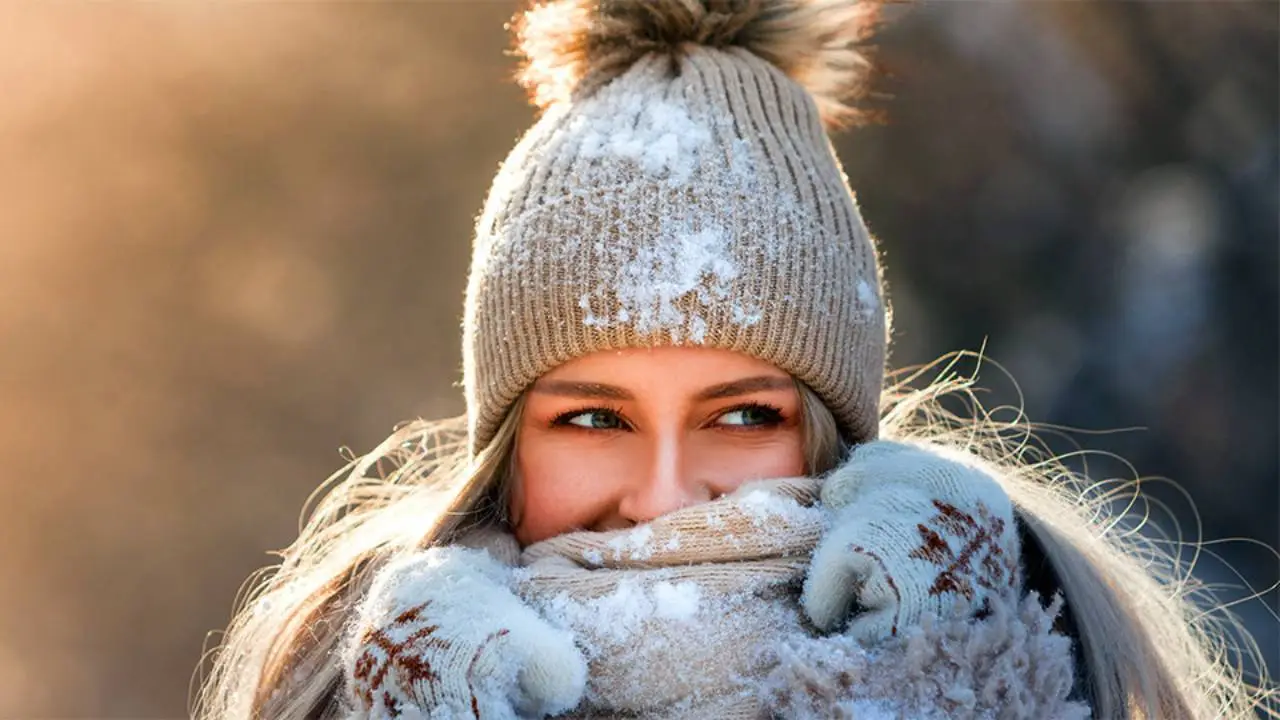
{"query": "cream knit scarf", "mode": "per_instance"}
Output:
(695, 615)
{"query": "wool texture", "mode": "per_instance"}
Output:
(675, 616)
(696, 614)
(693, 198)
(441, 635)
(699, 613)
(1010, 665)
(916, 530)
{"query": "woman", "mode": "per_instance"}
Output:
(673, 349)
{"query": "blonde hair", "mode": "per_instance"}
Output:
(1150, 649)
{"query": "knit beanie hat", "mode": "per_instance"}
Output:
(680, 189)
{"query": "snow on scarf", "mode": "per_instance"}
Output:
(696, 615)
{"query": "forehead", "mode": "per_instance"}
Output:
(660, 372)
(640, 362)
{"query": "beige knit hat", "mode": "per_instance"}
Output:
(680, 189)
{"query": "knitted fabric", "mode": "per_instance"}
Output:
(1011, 665)
(692, 200)
(916, 530)
(695, 615)
(419, 648)
(673, 615)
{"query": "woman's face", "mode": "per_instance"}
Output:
(617, 438)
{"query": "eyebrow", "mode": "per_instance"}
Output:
(743, 386)
(574, 388)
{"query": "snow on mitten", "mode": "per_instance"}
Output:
(913, 532)
(441, 635)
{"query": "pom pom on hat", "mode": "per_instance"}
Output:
(572, 47)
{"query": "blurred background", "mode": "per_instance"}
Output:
(235, 237)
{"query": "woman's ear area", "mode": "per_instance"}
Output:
(826, 446)
(514, 495)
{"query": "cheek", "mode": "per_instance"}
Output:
(560, 489)
(726, 466)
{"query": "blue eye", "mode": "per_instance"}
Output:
(753, 415)
(591, 419)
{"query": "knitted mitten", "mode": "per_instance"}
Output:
(441, 635)
(913, 532)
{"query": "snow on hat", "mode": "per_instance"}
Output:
(680, 189)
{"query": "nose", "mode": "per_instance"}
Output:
(664, 485)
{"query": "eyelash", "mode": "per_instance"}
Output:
(774, 413)
(563, 418)
(773, 416)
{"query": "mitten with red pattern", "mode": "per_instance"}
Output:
(441, 635)
(914, 530)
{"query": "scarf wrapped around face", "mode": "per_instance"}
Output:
(696, 615)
